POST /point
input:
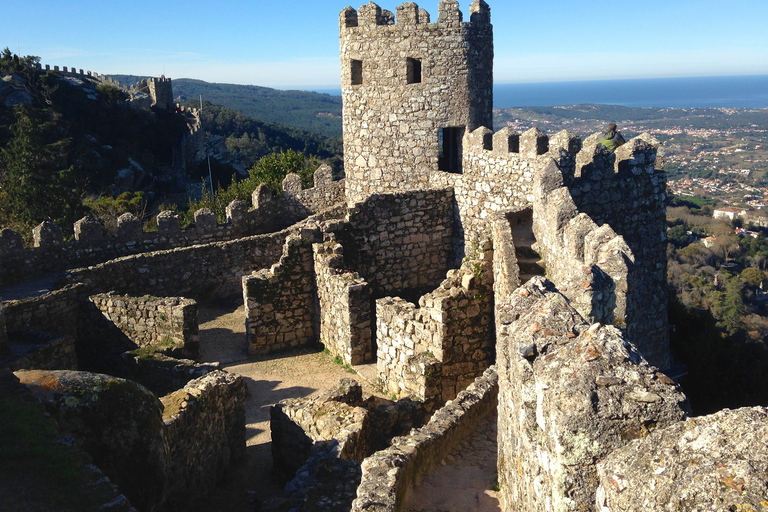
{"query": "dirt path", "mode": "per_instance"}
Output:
(465, 479)
(298, 374)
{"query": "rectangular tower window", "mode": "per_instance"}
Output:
(413, 70)
(356, 71)
(449, 143)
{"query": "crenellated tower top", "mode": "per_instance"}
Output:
(411, 88)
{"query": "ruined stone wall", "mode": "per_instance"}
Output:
(402, 82)
(281, 302)
(345, 306)
(42, 351)
(301, 427)
(205, 430)
(569, 394)
(400, 241)
(388, 475)
(434, 350)
(168, 324)
(600, 228)
(55, 312)
(93, 245)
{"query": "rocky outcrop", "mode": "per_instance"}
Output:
(117, 422)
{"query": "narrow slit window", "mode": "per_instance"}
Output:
(356, 71)
(413, 70)
(449, 144)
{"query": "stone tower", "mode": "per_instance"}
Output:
(410, 90)
(161, 92)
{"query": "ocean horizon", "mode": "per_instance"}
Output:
(749, 91)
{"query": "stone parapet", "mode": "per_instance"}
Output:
(569, 394)
(388, 475)
(92, 245)
(715, 462)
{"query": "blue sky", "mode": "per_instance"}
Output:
(294, 44)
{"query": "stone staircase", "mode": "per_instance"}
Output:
(528, 260)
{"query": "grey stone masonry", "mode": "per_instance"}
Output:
(569, 394)
(400, 241)
(406, 81)
(599, 219)
(303, 426)
(345, 306)
(205, 430)
(435, 350)
(715, 462)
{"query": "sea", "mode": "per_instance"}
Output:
(699, 92)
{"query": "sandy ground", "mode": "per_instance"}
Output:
(298, 374)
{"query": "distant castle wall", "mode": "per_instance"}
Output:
(406, 83)
(92, 245)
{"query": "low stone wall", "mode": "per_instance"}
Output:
(280, 302)
(435, 350)
(166, 325)
(715, 462)
(389, 475)
(569, 394)
(194, 272)
(55, 312)
(345, 306)
(303, 426)
(162, 374)
(205, 429)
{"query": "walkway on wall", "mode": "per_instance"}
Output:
(465, 480)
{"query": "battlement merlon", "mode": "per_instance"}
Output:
(409, 14)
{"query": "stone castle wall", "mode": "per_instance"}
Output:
(600, 228)
(280, 302)
(401, 241)
(497, 176)
(402, 82)
(92, 245)
(167, 324)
